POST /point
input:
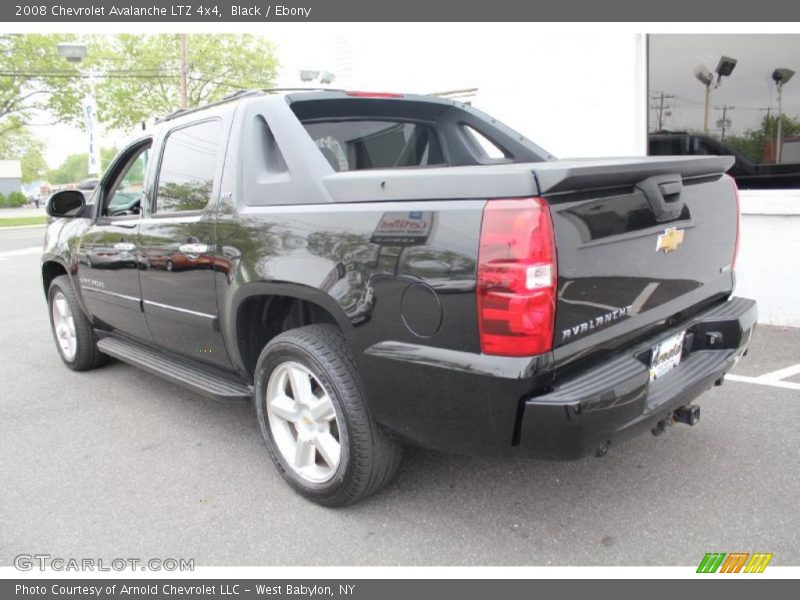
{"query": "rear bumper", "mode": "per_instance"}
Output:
(615, 399)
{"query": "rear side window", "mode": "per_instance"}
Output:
(355, 145)
(188, 167)
(484, 146)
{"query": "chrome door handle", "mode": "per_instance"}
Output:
(125, 247)
(193, 249)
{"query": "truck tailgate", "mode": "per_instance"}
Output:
(641, 243)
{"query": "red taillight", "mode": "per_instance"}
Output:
(373, 95)
(516, 278)
(738, 222)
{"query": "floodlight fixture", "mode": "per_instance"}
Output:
(725, 66)
(73, 52)
(781, 76)
(703, 75)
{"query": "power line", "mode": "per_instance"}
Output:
(57, 73)
(122, 74)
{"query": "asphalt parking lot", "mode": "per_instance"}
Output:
(117, 463)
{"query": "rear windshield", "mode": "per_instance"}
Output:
(375, 144)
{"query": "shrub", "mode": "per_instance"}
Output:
(16, 199)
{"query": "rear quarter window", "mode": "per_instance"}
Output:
(375, 144)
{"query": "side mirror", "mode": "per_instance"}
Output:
(66, 204)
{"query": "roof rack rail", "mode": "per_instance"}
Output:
(230, 97)
(240, 94)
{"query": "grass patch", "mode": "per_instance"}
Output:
(17, 221)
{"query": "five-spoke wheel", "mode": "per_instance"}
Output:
(64, 326)
(303, 422)
(315, 420)
(72, 331)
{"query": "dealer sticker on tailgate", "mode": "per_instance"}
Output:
(666, 355)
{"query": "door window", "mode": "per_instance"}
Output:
(188, 167)
(125, 195)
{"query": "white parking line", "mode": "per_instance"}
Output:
(780, 373)
(766, 380)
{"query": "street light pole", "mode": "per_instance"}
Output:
(724, 69)
(779, 142)
(781, 77)
(75, 52)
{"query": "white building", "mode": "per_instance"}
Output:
(10, 176)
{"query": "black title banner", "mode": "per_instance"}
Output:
(257, 11)
(386, 589)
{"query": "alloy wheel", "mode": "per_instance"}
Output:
(303, 422)
(64, 326)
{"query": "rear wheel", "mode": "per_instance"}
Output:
(73, 334)
(314, 419)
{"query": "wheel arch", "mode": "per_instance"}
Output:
(50, 270)
(261, 310)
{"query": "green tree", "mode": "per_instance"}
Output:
(22, 145)
(75, 167)
(141, 73)
(753, 142)
(35, 80)
(136, 77)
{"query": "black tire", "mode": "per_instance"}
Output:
(87, 356)
(369, 457)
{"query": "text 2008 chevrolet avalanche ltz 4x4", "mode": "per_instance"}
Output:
(373, 270)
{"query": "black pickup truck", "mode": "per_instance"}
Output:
(375, 269)
(748, 174)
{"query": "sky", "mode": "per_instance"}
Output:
(750, 89)
(672, 60)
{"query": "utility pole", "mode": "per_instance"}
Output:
(723, 122)
(767, 123)
(184, 54)
(661, 107)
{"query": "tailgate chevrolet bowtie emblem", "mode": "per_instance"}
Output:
(669, 240)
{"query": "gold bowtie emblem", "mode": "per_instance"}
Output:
(669, 240)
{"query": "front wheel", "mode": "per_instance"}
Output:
(314, 419)
(72, 331)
